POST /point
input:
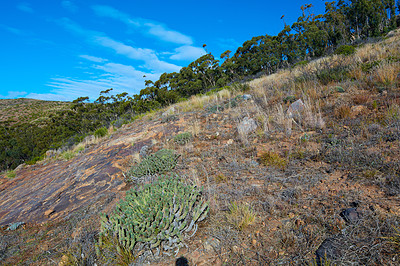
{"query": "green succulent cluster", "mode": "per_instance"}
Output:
(157, 163)
(158, 217)
(183, 138)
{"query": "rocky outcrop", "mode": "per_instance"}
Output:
(54, 188)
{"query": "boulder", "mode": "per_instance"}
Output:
(247, 126)
(170, 111)
(295, 108)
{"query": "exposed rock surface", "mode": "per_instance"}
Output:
(54, 188)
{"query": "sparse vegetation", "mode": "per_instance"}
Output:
(183, 138)
(160, 162)
(10, 174)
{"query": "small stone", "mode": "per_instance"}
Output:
(48, 212)
(170, 111)
(295, 108)
(351, 215)
(144, 151)
(254, 242)
(64, 260)
(211, 244)
(246, 97)
(235, 249)
(358, 109)
(229, 142)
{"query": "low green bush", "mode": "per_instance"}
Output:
(183, 138)
(100, 132)
(159, 162)
(328, 75)
(160, 216)
(345, 50)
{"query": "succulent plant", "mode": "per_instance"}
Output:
(183, 138)
(159, 162)
(158, 217)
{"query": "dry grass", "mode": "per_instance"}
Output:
(240, 215)
(361, 98)
(343, 111)
(386, 73)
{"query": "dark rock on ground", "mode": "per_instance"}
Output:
(351, 215)
(328, 250)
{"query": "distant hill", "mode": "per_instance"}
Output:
(28, 110)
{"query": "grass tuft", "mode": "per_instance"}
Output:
(240, 215)
(270, 158)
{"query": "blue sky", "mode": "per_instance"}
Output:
(62, 50)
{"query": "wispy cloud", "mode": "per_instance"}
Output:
(150, 27)
(188, 53)
(15, 30)
(93, 58)
(13, 94)
(25, 7)
(149, 56)
(70, 6)
(121, 78)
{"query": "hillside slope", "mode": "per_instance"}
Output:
(28, 110)
(284, 181)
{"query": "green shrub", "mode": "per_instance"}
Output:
(161, 216)
(345, 50)
(10, 174)
(301, 63)
(213, 91)
(339, 89)
(68, 155)
(157, 163)
(183, 138)
(100, 132)
(270, 158)
(243, 87)
(337, 74)
(367, 67)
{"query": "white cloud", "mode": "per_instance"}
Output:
(150, 27)
(25, 7)
(93, 58)
(13, 94)
(121, 78)
(70, 6)
(149, 56)
(188, 53)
